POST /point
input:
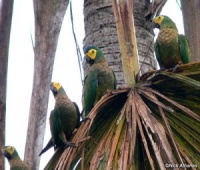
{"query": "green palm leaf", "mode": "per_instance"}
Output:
(151, 126)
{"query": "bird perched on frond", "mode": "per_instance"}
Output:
(64, 119)
(99, 80)
(171, 49)
(13, 158)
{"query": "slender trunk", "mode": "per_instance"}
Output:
(49, 15)
(191, 15)
(6, 10)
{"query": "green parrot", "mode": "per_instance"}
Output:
(64, 119)
(99, 79)
(171, 49)
(14, 160)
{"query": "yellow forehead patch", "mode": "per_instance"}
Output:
(10, 149)
(92, 53)
(56, 85)
(158, 19)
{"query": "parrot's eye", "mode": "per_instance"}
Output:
(92, 51)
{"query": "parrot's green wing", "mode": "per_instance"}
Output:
(56, 127)
(78, 115)
(90, 91)
(184, 49)
(55, 122)
(157, 52)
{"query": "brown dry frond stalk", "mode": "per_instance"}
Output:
(144, 142)
(151, 97)
(181, 107)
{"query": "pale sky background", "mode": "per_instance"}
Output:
(66, 70)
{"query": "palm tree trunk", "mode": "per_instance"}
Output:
(100, 30)
(49, 15)
(6, 10)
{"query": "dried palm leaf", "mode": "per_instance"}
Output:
(154, 125)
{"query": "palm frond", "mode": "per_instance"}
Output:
(154, 124)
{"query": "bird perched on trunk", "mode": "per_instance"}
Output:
(171, 48)
(14, 160)
(99, 79)
(64, 119)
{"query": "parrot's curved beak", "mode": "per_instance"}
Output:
(53, 89)
(155, 25)
(6, 154)
(89, 60)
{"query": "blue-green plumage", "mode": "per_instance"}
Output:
(14, 160)
(171, 48)
(64, 119)
(99, 80)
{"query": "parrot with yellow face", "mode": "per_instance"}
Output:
(99, 80)
(13, 158)
(64, 119)
(171, 49)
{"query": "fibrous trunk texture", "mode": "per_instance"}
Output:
(6, 9)
(49, 15)
(100, 30)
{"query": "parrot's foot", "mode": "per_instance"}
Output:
(84, 120)
(162, 69)
(70, 144)
(158, 71)
(175, 68)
